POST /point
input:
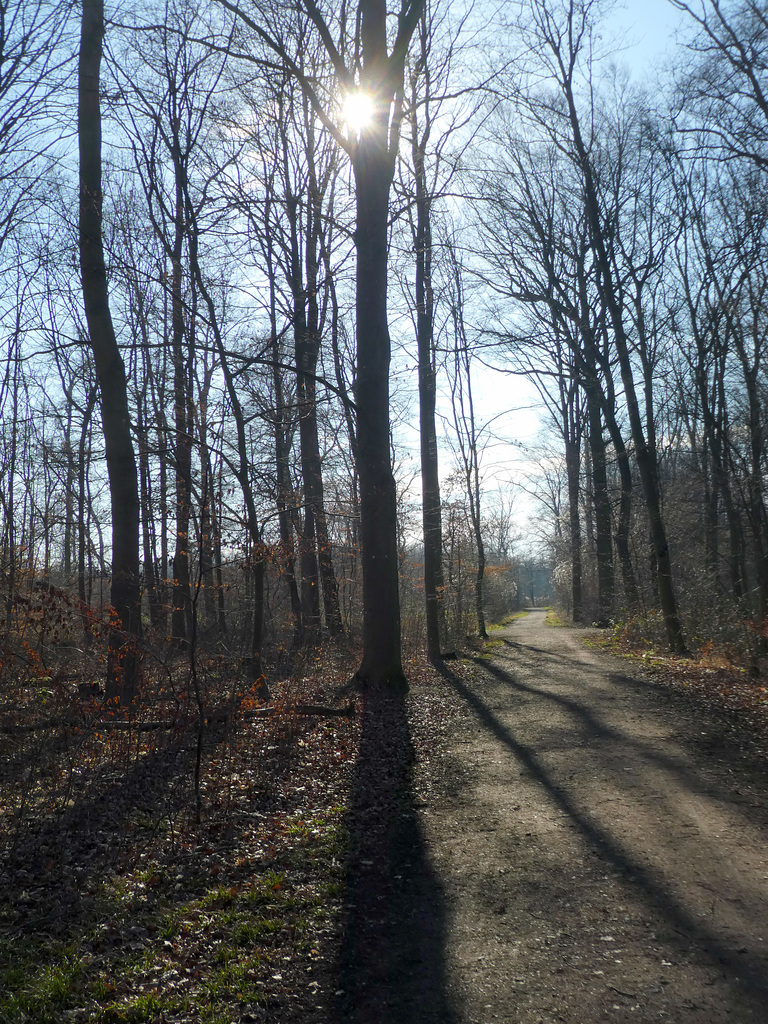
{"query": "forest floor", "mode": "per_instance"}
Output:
(542, 833)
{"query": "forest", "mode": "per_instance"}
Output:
(251, 250)
(264, 263)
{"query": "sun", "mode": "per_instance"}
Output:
(357, 111)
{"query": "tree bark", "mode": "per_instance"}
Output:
(110, 371)
(382, 659)
(573, 471)
(603, 537)
(430, 479)
(373, 162)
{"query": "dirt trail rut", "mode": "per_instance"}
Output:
(601, 851)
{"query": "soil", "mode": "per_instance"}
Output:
(585, 846)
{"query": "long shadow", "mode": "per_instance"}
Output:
(392, 966)
(747, 970)
(591, 728)
(730, 730)
(550, 655)
(106, 824)
(84, 840)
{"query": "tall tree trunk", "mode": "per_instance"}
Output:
(573, 471)
(181, 615)
(462, 400)
(287, 550)
(432, 525)
(216, 519)
(69, 489)
(151, 583)
(756, 506)
(110, 371)
(306, 360)
(631, 594)
(331, 602)
(593, 376)
(317, 565)
(603, 537)
(312, 473)
(382, 658)
(13, 373)
(282, 428)
(82, 498)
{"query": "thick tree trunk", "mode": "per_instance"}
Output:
(382, 659)
(110, 371)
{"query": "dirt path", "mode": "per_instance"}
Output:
(599, 846)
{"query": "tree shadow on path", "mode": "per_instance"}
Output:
(392, 966)
(746, 968)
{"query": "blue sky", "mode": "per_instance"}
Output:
(650, 31)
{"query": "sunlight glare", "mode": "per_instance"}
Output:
(357, 111)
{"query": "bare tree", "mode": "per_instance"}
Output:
(535, 240)
(168, 84)
(436, 117)
(32, 60)
(723, 89)
(110, 370)
(467, 430)
(562, 38)
(367, 55)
